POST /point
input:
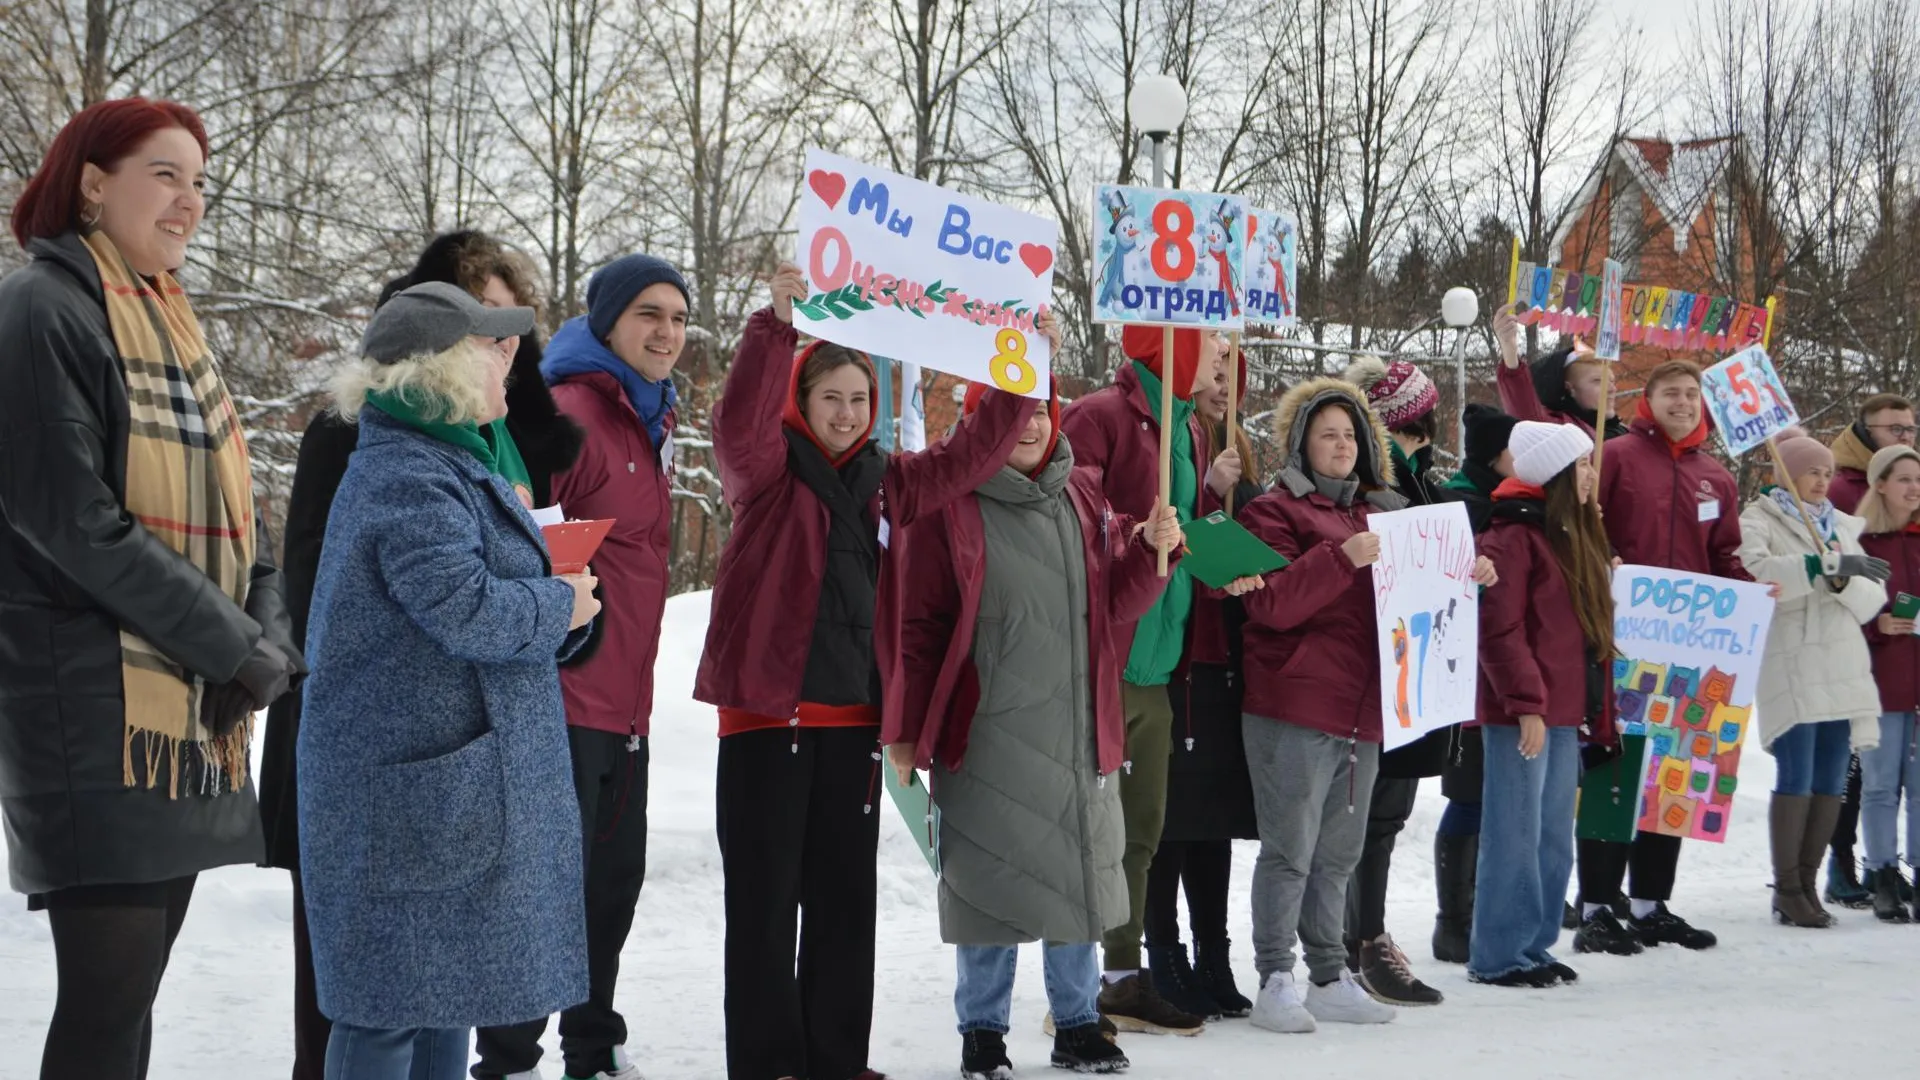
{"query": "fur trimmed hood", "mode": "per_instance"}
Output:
(1374, 469)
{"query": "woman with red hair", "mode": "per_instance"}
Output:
(790, 662)
(141, 621)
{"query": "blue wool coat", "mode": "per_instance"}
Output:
(439, 834)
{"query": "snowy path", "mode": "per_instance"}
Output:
(1769, 1002)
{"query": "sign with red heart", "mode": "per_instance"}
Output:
(901, 268)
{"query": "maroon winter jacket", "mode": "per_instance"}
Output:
(1309, 650)
(1533, 654)
(932, 687)
(1113, 430)
(768, 584)
(619, 476)
(1896, 660)
(1670, 506)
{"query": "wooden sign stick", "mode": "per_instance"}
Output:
(1600, 416)
(1168, 370)
(1233, 405)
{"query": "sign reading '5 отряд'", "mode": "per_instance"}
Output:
(902, 268)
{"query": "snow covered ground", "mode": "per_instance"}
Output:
(1769, 1002)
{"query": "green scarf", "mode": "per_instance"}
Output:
(1462, 482)
(1162, 633)
(491, 444)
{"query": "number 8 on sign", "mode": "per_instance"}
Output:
(1009, 367)
(1172, 252)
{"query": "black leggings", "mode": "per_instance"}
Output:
(1205, 867)
(109, 957)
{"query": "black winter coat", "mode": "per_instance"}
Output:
(548, 441)
(75, 568)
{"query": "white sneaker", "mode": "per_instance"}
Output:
(1344, 1002)
(623, 1068)
(1280, 1008)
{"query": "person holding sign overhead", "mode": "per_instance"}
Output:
(1818, 704)
(1117, 430)
(1006, 686)
(1665, 503)
(790, 662)
(1892, 513)
(1546, 670)
(1313, 722)
(1560, 387)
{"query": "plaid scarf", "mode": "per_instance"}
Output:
(189, 483)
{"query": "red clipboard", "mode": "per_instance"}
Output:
(571, 544)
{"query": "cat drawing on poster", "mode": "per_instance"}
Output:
(1269, 277)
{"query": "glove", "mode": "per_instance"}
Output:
(264, 676)
(1866, 566)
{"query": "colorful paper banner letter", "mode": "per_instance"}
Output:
(1748, 401)
(900, 267)
(1273, 244)
(1429, 617)
(1672, 627)
(1168, 258)
(1612, 282)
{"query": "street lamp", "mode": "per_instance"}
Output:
(1460, 307)
(1158, 104)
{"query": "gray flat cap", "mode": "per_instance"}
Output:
(432, 317)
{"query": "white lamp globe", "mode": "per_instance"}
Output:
(1459, 307)
(1158, 104)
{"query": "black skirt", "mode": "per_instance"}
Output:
(1464, 775)
(1209, 793)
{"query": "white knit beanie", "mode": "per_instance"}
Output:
(1542, 451)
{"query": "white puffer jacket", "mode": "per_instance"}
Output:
(1817, 667)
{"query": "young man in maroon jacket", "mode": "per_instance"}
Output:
(611, 371)
(1666, 503)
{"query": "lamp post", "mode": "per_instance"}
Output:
(1460, 307)
(1158, 104)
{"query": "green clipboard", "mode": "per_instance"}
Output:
(1610, 794)
(1220, 550)
(1905, 606)
(917, 810)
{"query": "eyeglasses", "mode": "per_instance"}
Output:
(1898, 431)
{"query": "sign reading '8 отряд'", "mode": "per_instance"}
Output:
(1168, 258)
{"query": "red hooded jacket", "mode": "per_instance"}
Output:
(618, 476)
(1896, 660)
(1533, 654)
(768, 582)
(932, 687)
(1671, 506)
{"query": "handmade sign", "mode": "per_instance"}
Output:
(1569, 302)
(1428, 610)
(1612, 280)
(1691, 647)
(1273, 246)
(1167, 258)
(1747, 400)
(900, 267)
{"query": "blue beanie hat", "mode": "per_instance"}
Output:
(614, 286)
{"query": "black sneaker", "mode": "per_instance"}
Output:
(1133, 1005)
(1663, 927)
(983, 1056)
(1107, 1029)
(1565, 974)
(1538, 978)
(1569, 917)
(1386, 975)
(1602, 933)
(1084, 1050)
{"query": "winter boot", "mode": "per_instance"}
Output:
(1084, 1050)
(1663, 927)
(1455, 862)
(1886, 895)
(1570, 917)
(1904, 884)
(1385, 973)
(1843, 881)
(1174, 977)
(983, 1056)
(1213, 964)
(1602, 933)
(1108, 1031)
(1343, 1001)
(1281, 1008)
(1823, 813)
(1787, 829)
(1133, 1005)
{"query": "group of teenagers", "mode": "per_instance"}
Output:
(455, 766)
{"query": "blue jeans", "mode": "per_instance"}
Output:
(983, 993)
(1526, 850)
(357, 1053)
(1812, 759)
(1884, 771)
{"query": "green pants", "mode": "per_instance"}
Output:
(1143, 802)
